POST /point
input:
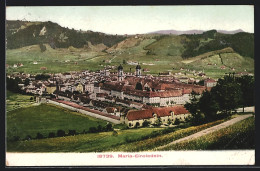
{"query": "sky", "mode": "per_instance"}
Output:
(140, 19)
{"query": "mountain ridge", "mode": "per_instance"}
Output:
(193, 31)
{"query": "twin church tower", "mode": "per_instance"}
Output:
(121, 75)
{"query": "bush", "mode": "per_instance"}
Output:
(99, 128)
(115, 133)
(42, 47)
(15, 138)
(28, 138)
(137, 124)
(109, 127)
(51, 135)
(120, 126)
(177, 121)
(60, 133)
(92, 129)
(84, 131)
(72, 132)
(146, 123)
(39, 136)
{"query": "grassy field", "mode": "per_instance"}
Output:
(163, 59)
(241, 135)
(124, 140)
(46, 118)
(91, 142)
(151, 143)
(16, 101)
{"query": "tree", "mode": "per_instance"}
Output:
(60, 133)
(92, 129)
(139, 86)
(42, 77)
(72, 132)
(201, 82)
(177, 121)
(109, 127)
(26, 81)
(42, 47)
(114, 133)
(51, 135)
(99, 128)
(28, 138)
(228, 94)
(158, 122)
(146, 123)
(39, 136)
(208, 105)
(169, 121)
(124, 61)
(167, 103)
(193, 108)
(12, 84)
(247, 88)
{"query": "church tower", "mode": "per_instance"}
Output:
(138, 70)
(120, 73)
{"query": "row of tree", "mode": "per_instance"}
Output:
(229, 94)
(62, 133)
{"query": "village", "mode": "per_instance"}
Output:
(118, 97)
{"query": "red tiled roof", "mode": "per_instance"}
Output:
(210, 81)
(87, 109)
(161, 112)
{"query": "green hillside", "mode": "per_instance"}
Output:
(20, 34)
(170, 45)
(61, 49)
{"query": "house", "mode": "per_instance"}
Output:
(137, 117)
(50, 88)
(113, 111)
(210, 82)
(79, 87)
(184, 79)
(43, 68)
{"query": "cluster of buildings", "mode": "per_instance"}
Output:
(134, 98)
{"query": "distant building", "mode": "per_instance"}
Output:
(210, 82)
(166, 114)
(138, 70)
(50, 88)
(120, 73)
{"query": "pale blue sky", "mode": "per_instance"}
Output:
(140, 19)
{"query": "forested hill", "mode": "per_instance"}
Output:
(24, 33)
(242, 43)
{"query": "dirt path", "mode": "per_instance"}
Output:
(207, 131)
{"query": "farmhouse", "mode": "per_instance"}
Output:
(210, 82)
(166, 114)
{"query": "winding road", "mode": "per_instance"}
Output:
(207, 131)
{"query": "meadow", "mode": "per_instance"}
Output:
(16, 101)
(65, 60)
(151, 143)
(241, 135)
(141, 139)
(90, 142)
(46, 118)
